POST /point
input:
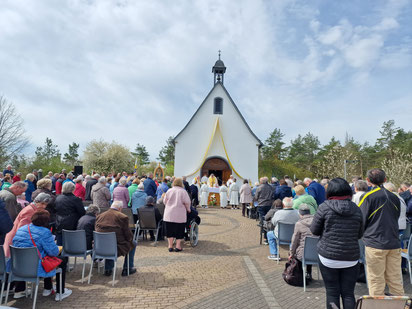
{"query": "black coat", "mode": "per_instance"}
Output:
(87, 223)
(195, 194)
(69, 209)
(6, 224)
(281, 192)
(89, 186)
(339, 224)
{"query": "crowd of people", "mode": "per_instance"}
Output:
(38, 209)
(341, 214)
(337, 212)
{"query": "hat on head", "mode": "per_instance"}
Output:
(304, 209)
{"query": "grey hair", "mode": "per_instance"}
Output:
(102, 179)
(30, 176)
(287, 202)
(390, 187)
(307, 179)
(274, 179)
(88, 177)
(361, 185)
(96, 176)
(304, 209)
(141, 186)
(70, 175)
(20, 184)
(122, 181)
(93, 209)
(117, 205)
(43, 198)
(68, 187)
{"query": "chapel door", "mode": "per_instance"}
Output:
(226, 175)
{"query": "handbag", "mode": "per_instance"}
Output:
(293, 273)
(49, 263)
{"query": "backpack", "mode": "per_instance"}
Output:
(293, 273)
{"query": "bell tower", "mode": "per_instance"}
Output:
(218, 71)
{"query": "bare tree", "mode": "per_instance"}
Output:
(12, 132)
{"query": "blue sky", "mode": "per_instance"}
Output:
(136, 71)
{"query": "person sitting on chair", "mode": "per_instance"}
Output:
(150, 207)
(113, 220)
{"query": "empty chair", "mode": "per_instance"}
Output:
(310, 256)
(74, 244)
(383, 302)
(24, 267)
(105, 247)
(285, 233)
(147, 222)
(2, 272)
(408, 256)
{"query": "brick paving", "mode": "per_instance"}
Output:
(228, 269)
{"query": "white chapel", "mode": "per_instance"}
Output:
(217, 139)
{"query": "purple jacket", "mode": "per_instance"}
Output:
(121, 193)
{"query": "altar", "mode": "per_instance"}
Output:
(213, 195)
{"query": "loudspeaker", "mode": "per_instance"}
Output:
(78, 170)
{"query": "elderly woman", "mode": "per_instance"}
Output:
(245, 196)
(44, 186)
(121, 193)
(39, 233)
(23, 218)
(302, 230)
(138, 200)
(177, 205)
(69, 209)
(339, 223)
(87, 223)
(100, 194)
(30, 186)
(361, 187)
(303, 198)
(79, 191)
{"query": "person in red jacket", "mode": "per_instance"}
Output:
(80, 191)
(59, 184)
(17, 177)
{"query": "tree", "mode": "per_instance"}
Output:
(303, 151)
(141, 157)
(45, 154)
(332, 164)
(388, 133)
(274, 146)
(398, 168)
(104, 157)
(12, 133)
(72, 156)
(167, 153)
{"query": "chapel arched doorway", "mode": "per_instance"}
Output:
(217, 166)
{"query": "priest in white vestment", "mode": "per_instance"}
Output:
(204, 195)
(223, 195)
(234, 195)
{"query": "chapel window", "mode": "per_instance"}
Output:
(218, 106)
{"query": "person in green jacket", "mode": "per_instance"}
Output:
(303, 197)
(132, 188)
(6, 182)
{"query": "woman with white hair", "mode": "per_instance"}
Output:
(101, 194)
(30, 187)
(121, 193)
(69, 209)
(44, 185)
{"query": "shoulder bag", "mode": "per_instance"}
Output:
(293, 273)
(49, 263)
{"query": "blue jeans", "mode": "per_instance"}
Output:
(109, 264)
(272, 240)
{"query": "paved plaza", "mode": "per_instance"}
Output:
(228, 269)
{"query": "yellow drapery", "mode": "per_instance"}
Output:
(216, 127)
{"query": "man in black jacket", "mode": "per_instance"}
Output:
(6, 224)
(380, 210)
